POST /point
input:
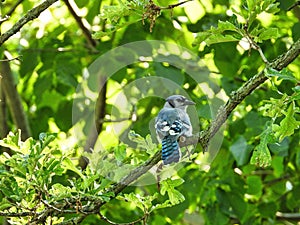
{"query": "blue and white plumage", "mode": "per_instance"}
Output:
(171, 123)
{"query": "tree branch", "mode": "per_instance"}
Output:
(143, 218)
(224, 111)
(101, 101)
(85, 30)
(30, 15)
(288, 216)
(3, 117)
(8, 60)
(3, 124)
(14, 100)
(297, 3)
(18, 214)
(12, 9)
(238, 96)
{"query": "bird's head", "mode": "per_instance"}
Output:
(178, 101)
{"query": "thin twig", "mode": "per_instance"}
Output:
(10, 12)
(57, 209)
(2, 19)
(254, 45)
(175, 5)
(8, 60)
(116, 120)
(294, 5)
(128, 223)
(288, 216)
(30, 15)
(18, 214)
(85, 30)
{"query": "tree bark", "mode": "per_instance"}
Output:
(14, 100)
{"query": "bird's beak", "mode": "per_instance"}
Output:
(188, 102)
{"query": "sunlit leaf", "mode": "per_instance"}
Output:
(69, 165)
(219, 35)
(120, 152)
(261, 155)
(288, 125)
(284, 74)
(60, 191)
(268, 34)
(12, 141)
(168, 186)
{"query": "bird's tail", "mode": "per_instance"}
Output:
(170, 150)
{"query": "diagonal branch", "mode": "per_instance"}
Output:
(223, 113)
(238, 96)
(14, 100)
(79, 21)
(12, 9)
(30, 15)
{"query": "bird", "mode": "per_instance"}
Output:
(172, 123)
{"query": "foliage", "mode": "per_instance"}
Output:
(252, 178)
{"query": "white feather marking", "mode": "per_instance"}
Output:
(165, 128)
(172, 132)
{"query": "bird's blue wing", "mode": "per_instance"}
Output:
(169, 127)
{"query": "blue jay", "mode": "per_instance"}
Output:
(172, 123)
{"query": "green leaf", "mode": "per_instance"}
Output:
(239, 150)
(219, 38)
(60, 191)
(143, 143)
(213, 37)
(46, 139)
(151, 147)
(278, 166)
(142, 202)
(4, 204)
(284, 74)
(288, 125)
(168, 186)
(215, 215)
(50, 98)
(170, 73)
(175, 196)
(201, 36)
(255, 186)
(261, 155)
(274, 107)
(268, 34)
(268, 209)
(280, 149)
(68, 164)
(120, 152)
(12, 141)
(165, 204)
(251, 4)
(132, 197)
(273, 8)
(226, 25)
(238, 204)
(225, 32)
